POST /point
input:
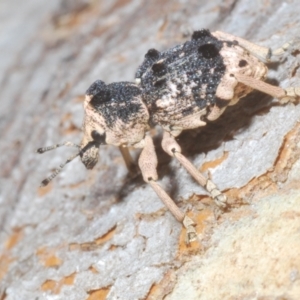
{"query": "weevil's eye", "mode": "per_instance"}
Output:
(98, 138)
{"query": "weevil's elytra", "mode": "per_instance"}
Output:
(183, 80)
(182, 85)
(178, 89)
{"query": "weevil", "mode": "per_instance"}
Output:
(181, 88)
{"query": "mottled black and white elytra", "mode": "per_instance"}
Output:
(182, 81)
(185, 84)
(178, 89)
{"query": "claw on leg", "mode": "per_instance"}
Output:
(191, 234)
(217, 195)
(292, 94)
(281, 50)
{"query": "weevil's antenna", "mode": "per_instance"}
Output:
(59, 169)
(68, 144)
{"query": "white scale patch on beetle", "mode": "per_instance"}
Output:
(181, 88)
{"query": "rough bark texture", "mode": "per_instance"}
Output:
(101, 235)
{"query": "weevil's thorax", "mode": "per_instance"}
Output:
(180, 85)
(114, 114)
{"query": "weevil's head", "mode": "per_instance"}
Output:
(115, 115)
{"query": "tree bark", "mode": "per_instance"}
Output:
(102, 234)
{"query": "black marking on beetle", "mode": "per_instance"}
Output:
(152, 54)
(201, 34)
(231, 43)
(119, 102)
(243, 63)
(101, 96)
(192, 72)
(159, 69)
(208, 51)
(220, 68)
(200, 102)
(160, 83)
(187, 111)
(179, 86)
(98, 92)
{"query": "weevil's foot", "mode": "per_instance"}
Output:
(216, 194)
(292, 95)
(191, 234)
(219, 198)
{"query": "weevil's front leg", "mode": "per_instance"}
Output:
(131, 167)
(290, 94)
(170, 145)
(264, 53)
(148, 165)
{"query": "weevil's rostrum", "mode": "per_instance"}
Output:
(178, 89)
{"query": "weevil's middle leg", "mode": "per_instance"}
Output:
(148, 165)
(170, 145)
(264, 53)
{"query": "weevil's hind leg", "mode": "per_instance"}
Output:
(148, 165)
(281, 50)
(170, 145)
(131, 166)
(263, 53)
(290, 94)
